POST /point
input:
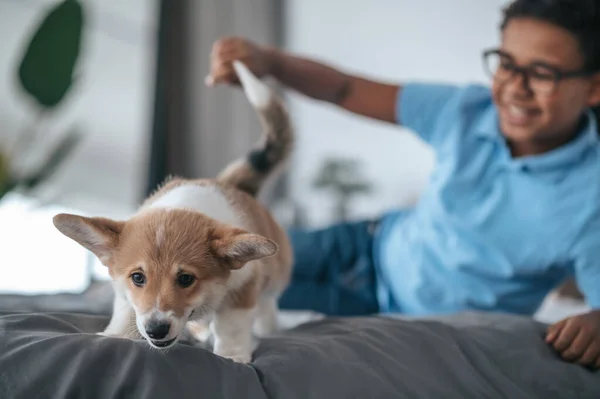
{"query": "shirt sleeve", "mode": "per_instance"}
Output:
(587, 265)
(423, 108)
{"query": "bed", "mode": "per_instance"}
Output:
(48, 349)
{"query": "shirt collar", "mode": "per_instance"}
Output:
(488, 127)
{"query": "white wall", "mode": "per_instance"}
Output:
(396, 40)
(112, 105)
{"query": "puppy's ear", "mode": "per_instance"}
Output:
(99, 235)
(237, 247)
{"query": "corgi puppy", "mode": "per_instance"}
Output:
(201, 251)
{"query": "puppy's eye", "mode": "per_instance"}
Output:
(185, 280)
(138, 279)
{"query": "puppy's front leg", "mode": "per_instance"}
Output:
(266, 318)
(232, 329)
(122, 322)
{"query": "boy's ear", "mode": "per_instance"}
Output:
(594, 96)
(99, 235)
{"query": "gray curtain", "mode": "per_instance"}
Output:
(203, 129)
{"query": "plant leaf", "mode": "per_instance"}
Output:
(46, 69)
(4, 174)
(57, 156)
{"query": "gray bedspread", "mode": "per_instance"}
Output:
(55, 355)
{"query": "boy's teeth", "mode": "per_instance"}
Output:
(517, 111)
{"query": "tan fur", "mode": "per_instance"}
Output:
(236, 256)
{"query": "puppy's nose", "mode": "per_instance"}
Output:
(157, 329)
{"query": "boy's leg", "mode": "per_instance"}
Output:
(333, 271)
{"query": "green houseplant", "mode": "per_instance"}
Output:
(342, 179)
(45, 75)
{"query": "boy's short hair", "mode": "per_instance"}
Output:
(580, 17)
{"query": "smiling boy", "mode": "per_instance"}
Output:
(513, 206)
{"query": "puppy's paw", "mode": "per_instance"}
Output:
(237, 355)
(244, 359)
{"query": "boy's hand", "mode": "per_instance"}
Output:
(577, 339)
(229, 49)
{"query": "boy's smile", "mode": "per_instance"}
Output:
(518, 116)
(540, 86)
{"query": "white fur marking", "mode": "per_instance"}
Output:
(257, 92)
(160, 236)
(201, 329)
(208, 200)
(155, 313)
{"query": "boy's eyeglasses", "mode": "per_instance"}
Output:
(537, 77)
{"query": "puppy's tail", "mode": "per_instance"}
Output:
(275, 146)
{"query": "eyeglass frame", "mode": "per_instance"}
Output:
(525, 71)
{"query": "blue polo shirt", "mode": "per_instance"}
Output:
(490, 232)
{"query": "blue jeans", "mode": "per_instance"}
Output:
(334, 272)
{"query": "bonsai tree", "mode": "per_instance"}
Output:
(342, 178)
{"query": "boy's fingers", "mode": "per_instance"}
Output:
(221, 73)
(209, 81)
(230, 56)
(224, 45)
(213, 80)
(578, 346)
(591, 355)
(554, 330)
(566, 337)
